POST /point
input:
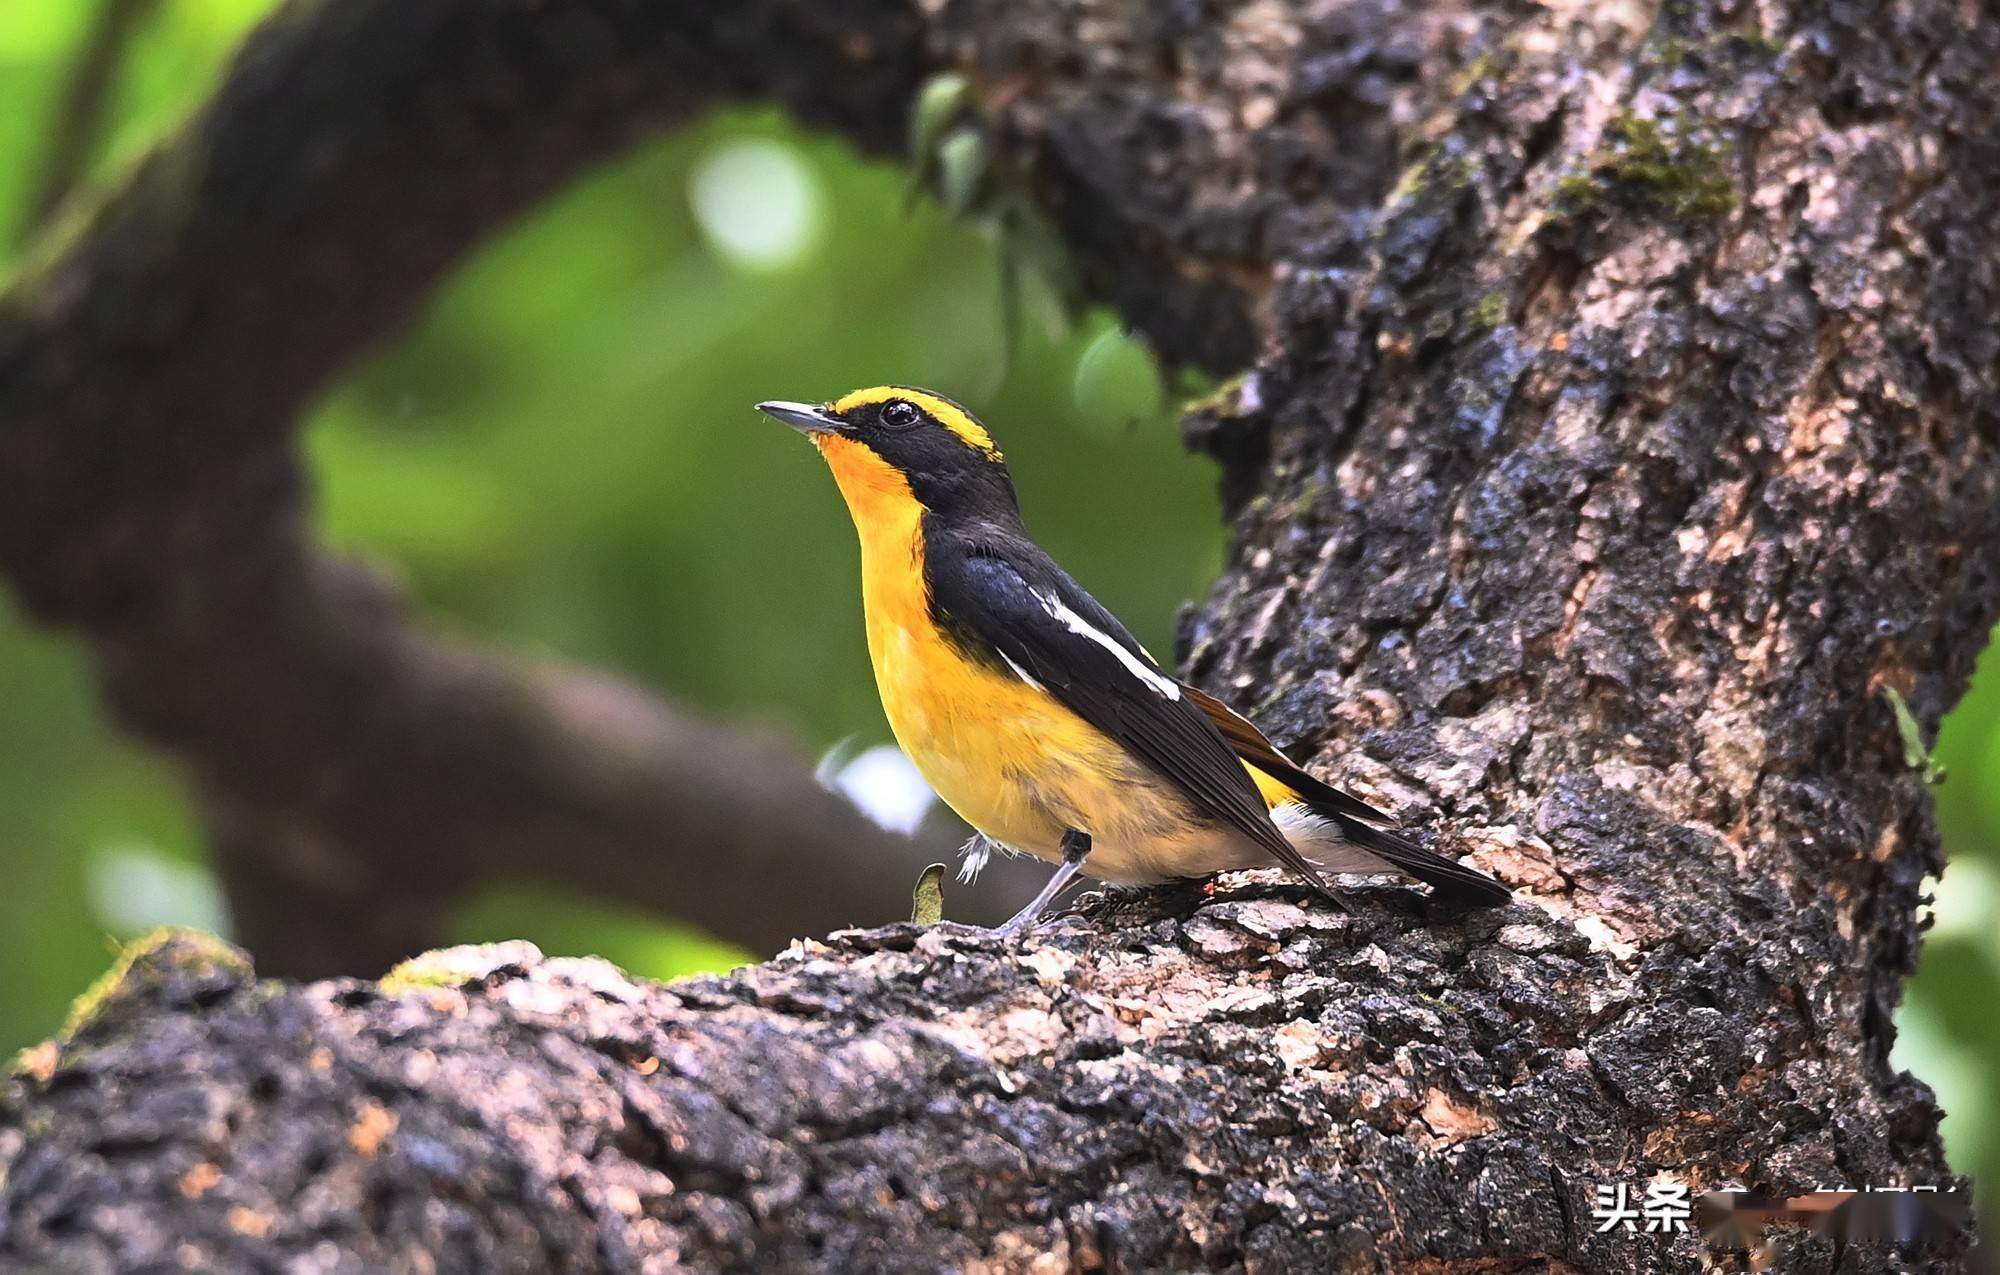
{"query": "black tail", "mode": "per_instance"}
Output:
(1453, 882)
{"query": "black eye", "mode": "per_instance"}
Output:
(898, 414)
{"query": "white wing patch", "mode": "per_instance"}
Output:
(1023, 675)
(1056, 607)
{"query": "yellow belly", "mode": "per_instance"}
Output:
(1022, 769)
(1010, 760)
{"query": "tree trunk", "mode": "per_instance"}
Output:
(1622, 425)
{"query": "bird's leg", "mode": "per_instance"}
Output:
(1075, 848)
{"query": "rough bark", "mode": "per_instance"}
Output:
(1623, 418)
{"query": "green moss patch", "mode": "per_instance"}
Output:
(1644, 163)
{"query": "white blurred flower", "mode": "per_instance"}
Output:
(881, 783)
(757, 202)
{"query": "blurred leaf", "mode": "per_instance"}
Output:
(1116, 385)
(962, 167)
(42, 32)
(942, 102)
(1915, 755)
(927, 900)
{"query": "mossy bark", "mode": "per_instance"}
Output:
(1582, 532)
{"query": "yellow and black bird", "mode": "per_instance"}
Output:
(1033, 713)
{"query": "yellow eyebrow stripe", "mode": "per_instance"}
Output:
(954, 418)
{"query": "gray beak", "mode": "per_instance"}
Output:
(803, 417)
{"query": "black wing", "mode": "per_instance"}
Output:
(1007, 602)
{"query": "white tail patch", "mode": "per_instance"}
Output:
(1318, 839)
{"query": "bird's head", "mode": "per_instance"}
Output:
(894, 441)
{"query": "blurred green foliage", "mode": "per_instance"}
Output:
(561, 456)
